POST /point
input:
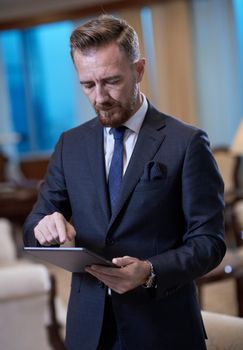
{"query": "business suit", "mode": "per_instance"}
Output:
(174, 219)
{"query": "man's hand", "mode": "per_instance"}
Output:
(54, 229)
(133, 273)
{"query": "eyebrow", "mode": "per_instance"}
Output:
(113, 77)
(85, 82)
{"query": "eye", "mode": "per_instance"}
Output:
(113, 81)
(88, 85)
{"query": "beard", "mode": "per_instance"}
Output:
(113, 113)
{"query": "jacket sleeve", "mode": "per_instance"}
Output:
(52, 196)
(203, 245)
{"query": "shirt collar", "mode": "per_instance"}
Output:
(135, 122)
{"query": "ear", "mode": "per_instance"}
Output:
(139, 67)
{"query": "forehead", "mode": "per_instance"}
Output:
(106, 59)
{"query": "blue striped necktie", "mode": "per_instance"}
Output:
(116, 167)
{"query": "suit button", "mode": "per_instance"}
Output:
(109, 241)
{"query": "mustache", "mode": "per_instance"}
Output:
(106, 106)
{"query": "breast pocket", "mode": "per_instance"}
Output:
(156, 185)
(147, 197)
(151, 196)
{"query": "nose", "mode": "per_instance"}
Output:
(101, 95)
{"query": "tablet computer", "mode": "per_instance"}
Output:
(71, 259)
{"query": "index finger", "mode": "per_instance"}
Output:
(61, 227)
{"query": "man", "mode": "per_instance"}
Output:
(163, 224)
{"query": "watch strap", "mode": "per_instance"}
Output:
(151, 280)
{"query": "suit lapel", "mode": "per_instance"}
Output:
(149, 140)
(95, 151)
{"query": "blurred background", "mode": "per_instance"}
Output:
(194, 53)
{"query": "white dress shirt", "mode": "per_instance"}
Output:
(133, 125)
(130, 138)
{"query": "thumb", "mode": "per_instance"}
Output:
(71, 233)
(124, 261)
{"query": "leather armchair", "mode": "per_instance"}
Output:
(224, 332)
(24, 298)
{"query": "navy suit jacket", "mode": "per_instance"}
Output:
(170, 211)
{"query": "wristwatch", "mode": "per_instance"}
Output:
(151, 281)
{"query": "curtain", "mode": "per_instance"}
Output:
(174, 59)
(217, 74)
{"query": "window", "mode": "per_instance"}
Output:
(41, 85)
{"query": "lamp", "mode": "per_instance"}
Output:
(9, 138)
(237, 144)
(9, 167)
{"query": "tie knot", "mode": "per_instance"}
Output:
(118, 133)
